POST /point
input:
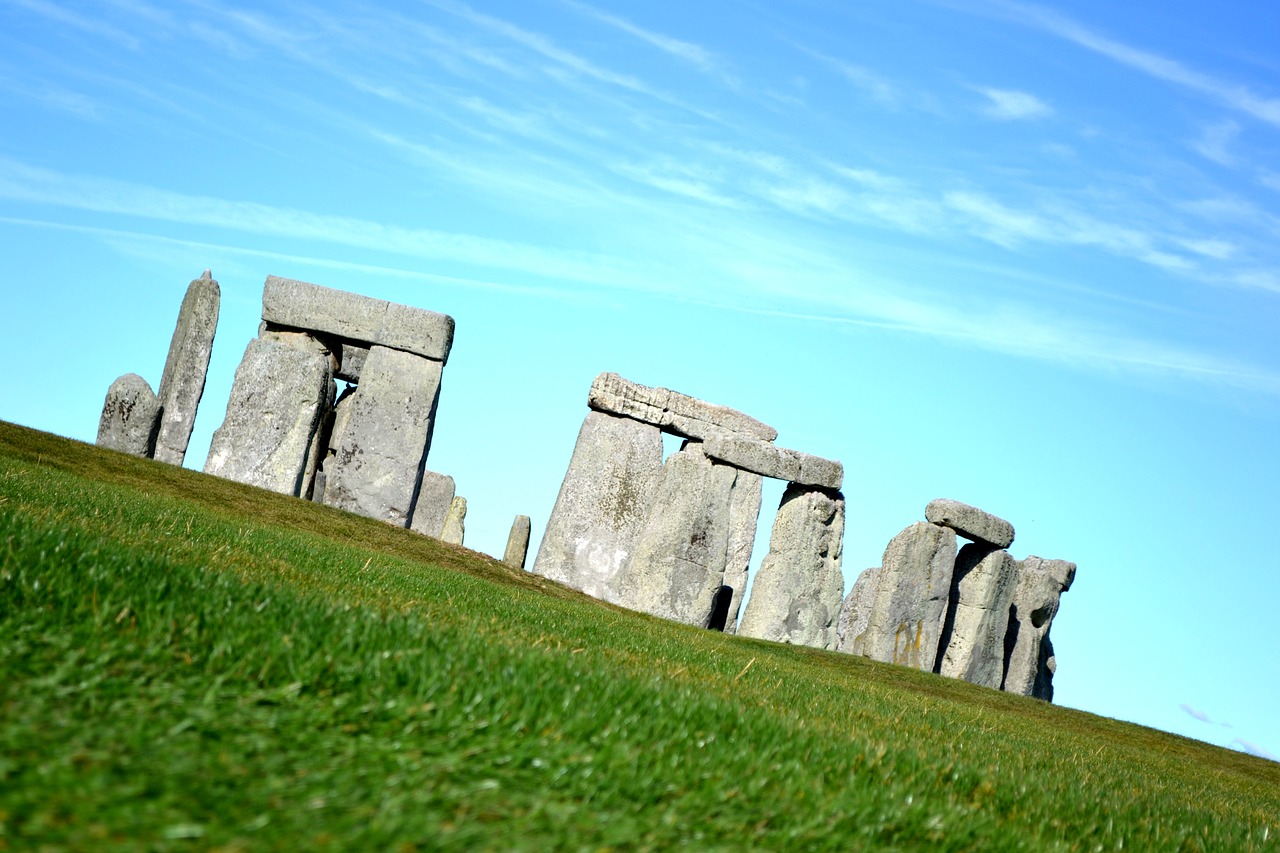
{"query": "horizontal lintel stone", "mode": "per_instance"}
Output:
(360, 319)
(760, 457)
(970, 522)
(672, 411)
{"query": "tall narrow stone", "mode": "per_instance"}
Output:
(435, 496)
(678, 566)
(383, 446)
(130, 417)
(182, 384)
(744, 517)
(911, 593)
(277, 401)
(855, 613)
(797, 592)
(972, 645)
(517, 542)
(602, 504)
(1040, 584)
(455, 523)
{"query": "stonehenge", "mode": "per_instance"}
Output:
(669, 537)
(975, 614)
(673, 538)
(157, 425)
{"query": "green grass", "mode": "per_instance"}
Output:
(187, 663)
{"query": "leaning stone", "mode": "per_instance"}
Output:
(300, 305)
(678, 566)
(602, 504)
(278, 399)
(855, 613)
(970, 522)
(435, 496)
(130, 417)
(796, 594)
(517, 543)
(182, 383)
(744, 517)
(972, 646)
(454, 530)
(672, 411)
(318, 452)
(383, 448)
(910, 602)
(763, 458)
(1043, 688)
(1040, 584)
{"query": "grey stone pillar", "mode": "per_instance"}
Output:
(744, 516)
(678, 565)
(435, 496)
(455, 530)
(278, 398)
(972, 645)
(517, 542)
(855, 612)
(382, 449)
(797, 593)
(182, 383)
(602, 504)
(1040, 584)
(911, 594)
(130, 417)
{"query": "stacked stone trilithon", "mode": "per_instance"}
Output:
(287, 430)
(674, 538)
(158, 425)
(976, 614)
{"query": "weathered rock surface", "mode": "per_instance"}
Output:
(982, 592)
(351, 361)
(130, 417)
(855, 612)
(763, 458)
(360, 319)
(672, 411)
(1040, 584)
(455, 530)
(744, 516)
(517, 542)
(1043, 688)
(970, 522)
(383, 446)
(602, 504)
(182, 383)
(677, 568)
(911, 595)
(277, 401)
(435, 496)
(796, 594)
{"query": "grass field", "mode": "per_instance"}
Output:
(191, 664)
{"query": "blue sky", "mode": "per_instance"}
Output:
(1024, 256)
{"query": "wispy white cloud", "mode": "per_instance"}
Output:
(1236, 96)
(689, 52)
(1214, 142)
(864, 79)
(1013, 105)
(60, 14)
(1253, 749)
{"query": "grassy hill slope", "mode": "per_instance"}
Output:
(188, 663)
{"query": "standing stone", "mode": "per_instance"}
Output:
(911, 594)
(744, 517)
(796, 594)
(454, 530)
(677, 569)
(435, 496)
(278, 399)
(182, 383)
(517, 543)
(602, 504)
(130, 417)
(1039, 587)
(1043, 688)
(981, 594)
(383, 447)
(855, 613)
(970, 522)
